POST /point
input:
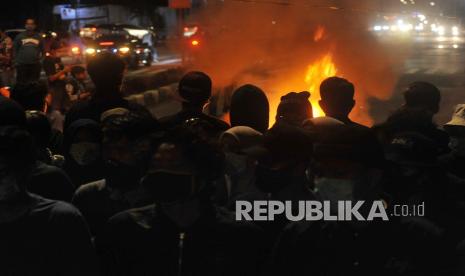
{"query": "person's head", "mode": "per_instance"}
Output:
(423, 95)
(79, 73)
(31, 96)
(82, 142)
(30, 24)
(11, 113)
(337, 97)
(17, 156)
(294, 108)
(127, 145)
(106, 71)
(195, 89)
(250, 107)
(2, 33)
(39, 127)
(182, 167)
(456, 130)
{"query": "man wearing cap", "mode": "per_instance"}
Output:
(194, 92)
(454, 161)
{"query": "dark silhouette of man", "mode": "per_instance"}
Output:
(106, 71)
(194, 90)
(337, 98)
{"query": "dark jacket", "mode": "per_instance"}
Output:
(180, 117)
(412, 120)
(28, 48)
(97, 201)
(92, 109)
(50, 182)
(342, 248)
(51, 239)
(145, 242)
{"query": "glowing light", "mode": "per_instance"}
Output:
(319, 34)
(90, 51)
(195, 42)
(75, 50)
(316, 73)
(106, 43)
(441, 30)
(455, 46)
(377, 28)
(190, 31)
(455, 31)
(124, 50)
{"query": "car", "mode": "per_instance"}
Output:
(131, 49)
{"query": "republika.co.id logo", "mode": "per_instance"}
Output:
(310, 210)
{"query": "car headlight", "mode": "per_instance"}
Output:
(455, 31)
(441, 30)
(75, 50)
(90, 51)
(124, 50)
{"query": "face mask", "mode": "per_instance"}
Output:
(334, 189)
(85, 153)
(272, 181)
(457, 145)
(236, 163)
(169, 187)
(118, 174)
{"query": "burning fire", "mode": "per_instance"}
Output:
(319, 33)
(316, 73)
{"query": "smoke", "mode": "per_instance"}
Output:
(271, 43)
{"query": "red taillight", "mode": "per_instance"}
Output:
(106, 43)
(93, 29)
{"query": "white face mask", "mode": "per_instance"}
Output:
(334, 189)
(85, 153)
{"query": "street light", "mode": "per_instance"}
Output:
(432, 4)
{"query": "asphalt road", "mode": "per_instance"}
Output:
(440, 61)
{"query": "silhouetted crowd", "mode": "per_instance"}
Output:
(108, 189)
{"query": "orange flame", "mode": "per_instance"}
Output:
(319, 33)
(316, 73)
